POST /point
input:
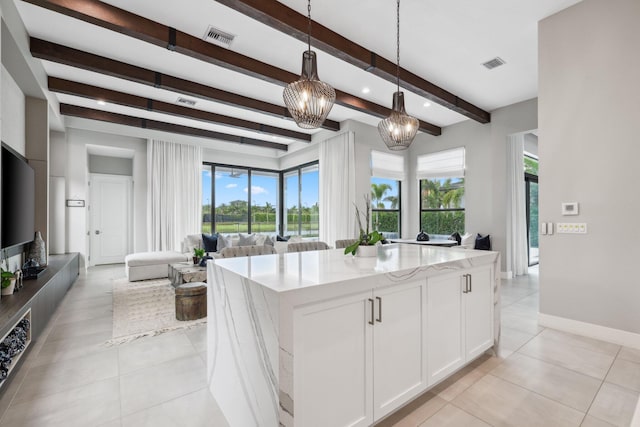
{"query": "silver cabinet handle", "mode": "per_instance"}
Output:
(466, 284)
(379, 319)
(470, 283)
(371, 304)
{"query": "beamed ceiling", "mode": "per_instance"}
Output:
(127, 62)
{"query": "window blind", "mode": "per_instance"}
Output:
(386, 165)
(443, 164)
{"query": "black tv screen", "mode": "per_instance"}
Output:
(18, 200)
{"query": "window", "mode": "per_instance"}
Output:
(231, 200)
(385, 206)
(245, 200)
(301, 201)
(531, 195)
(441, 175)
(387, 171)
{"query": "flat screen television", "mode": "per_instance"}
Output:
(18, 199)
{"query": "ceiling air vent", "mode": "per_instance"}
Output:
(186, 101)
(219, 37)
(495, 62)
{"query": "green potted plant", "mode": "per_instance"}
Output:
(365, 244)
(197, 254)
(8, 282)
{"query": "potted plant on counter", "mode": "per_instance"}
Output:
(366, 243)
(8, 282)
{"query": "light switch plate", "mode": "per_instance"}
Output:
(570, 208)
(572, 228)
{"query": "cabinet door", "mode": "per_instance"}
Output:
(399, 337)
(332, 363)
(479, 312)
(444, 326)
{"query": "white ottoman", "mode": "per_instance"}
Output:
(151, 265)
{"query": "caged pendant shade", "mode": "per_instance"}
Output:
(398, 130)
(308, 99)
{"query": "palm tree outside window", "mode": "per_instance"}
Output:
(385, 206)
(442, 205)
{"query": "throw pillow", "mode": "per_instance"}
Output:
(268, 241)
(280, 238)
(483, 243)
(468, 240)
(246, 239)
(422, 237)
(457, 237)
(210, 242)
(223, 242)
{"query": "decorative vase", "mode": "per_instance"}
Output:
(37, 250)
(9, 289)
(367, 251)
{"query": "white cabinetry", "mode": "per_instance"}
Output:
(459, 319)
(359, 357)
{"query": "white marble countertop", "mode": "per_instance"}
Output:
(295, 271)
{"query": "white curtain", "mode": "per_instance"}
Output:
(174, 194)
(337, 188)
(517, 260)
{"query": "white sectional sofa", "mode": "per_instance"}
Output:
(155, 265)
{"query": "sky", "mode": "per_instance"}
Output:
(264, 188)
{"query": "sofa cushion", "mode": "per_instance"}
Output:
(246, 239)
(210, 242)
(191, 242)
(154, 258)
(224, 242)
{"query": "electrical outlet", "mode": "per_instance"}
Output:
(571, 228)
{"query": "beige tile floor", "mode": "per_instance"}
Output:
(540, 377)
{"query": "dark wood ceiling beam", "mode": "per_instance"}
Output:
(112, 18)
(93, 92)
(284, 19)
(122, 119)
(76, 58)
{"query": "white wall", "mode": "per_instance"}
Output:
(589, 152)
(486, 169)
(13, 113)
(77, 178)
(239, 159)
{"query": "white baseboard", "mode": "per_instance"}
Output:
(603, 333)
(506, 274)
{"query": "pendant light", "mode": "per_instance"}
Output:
(399, 129)
(308, 99)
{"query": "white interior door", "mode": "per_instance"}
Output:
(110, 212)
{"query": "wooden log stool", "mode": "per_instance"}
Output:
(191, 301)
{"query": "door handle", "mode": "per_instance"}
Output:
(470, 283)
(379, 319)
(371, 304)
(97, 231)
(466, 284)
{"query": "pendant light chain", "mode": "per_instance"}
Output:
(397, 45)
(309, 99)
(309, 23)
(398, 130)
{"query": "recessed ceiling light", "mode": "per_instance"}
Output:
(101, 102)
(366, 90)
(427, 104)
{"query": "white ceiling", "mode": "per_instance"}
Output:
(444, 42)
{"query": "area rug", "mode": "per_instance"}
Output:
(144, 308)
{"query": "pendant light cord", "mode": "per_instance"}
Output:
(397, 45)
(309, 24)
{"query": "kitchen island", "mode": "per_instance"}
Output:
(325, 339)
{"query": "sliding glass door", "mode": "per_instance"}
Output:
(531, 183)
